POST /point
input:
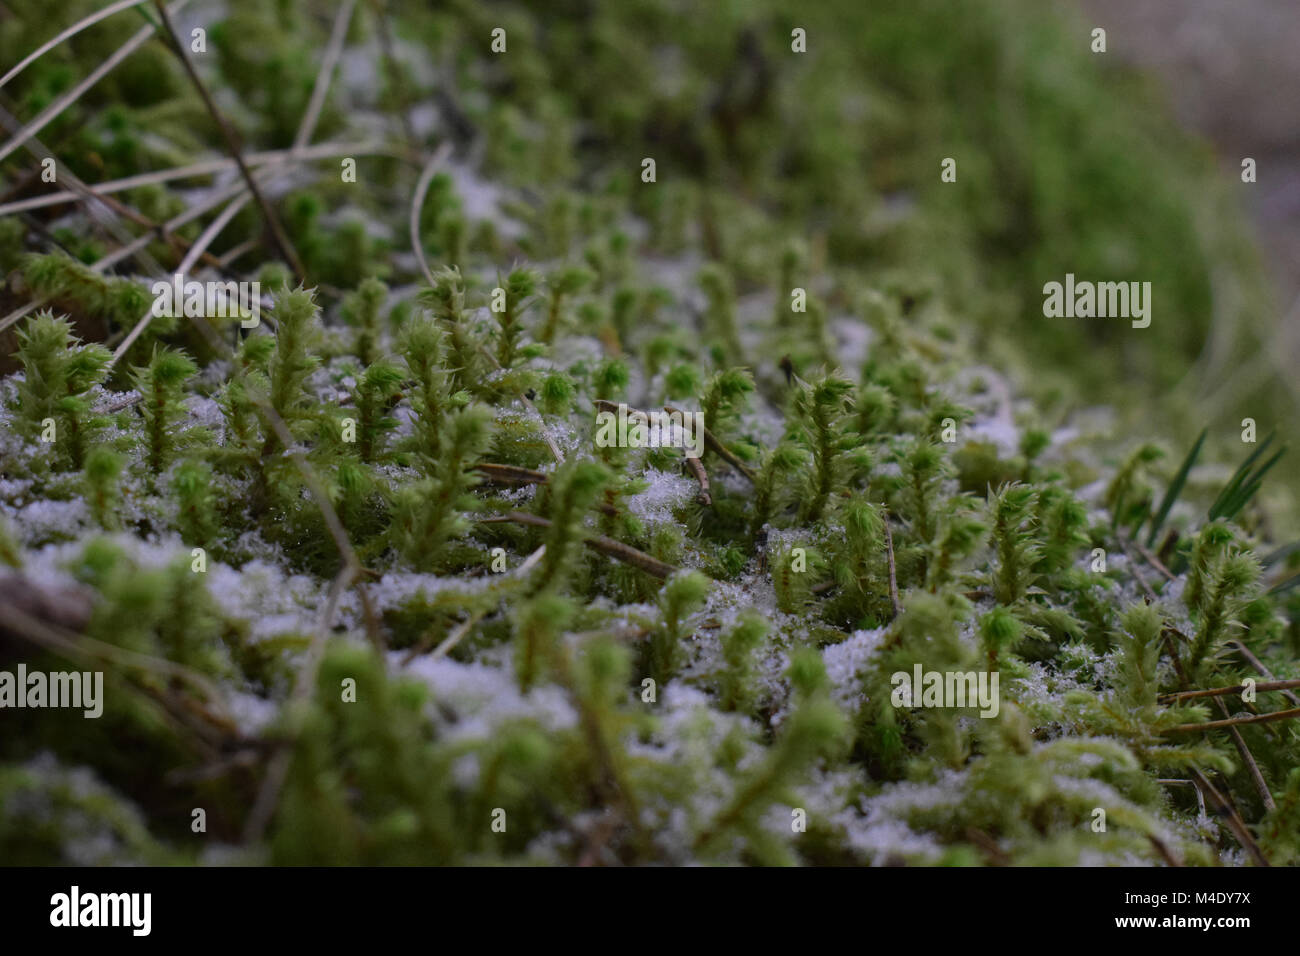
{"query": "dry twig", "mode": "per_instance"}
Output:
(597, 542)
(282, 241)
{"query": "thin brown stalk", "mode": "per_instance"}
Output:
(417, 204)
(712, 443)
(133, 398)
(597, 542)
(511, 474)
(51, 112)
(1260, 669)
(96, 204)
(126, 212)
(22, 310)
(1233, 819)
(1155, 562)
(893, 570)
(25, 182)
(1168, 634)
(1137, 573)
(205, 239)
(1235, 721)
(333, 50)
(1234, 689)
(237, 252)
(79, 647)
(1162, 848)
(167, 230)
(82, 24)
(209, 167)
(701, 478)
(1248, 759)
(232, 143)
(605, 405)
(514, 475)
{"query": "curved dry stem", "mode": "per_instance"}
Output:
(52, 111)
(321, 87)
(71, 31)
(417, 203)
(282, 241)
(200, 246)
(73, 646)
(207, 168)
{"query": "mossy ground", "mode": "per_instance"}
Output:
(427, 601)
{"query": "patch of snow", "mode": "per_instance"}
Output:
(846, 662)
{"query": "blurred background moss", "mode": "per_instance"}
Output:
(1068, 161)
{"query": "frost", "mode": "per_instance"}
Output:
(269, 601)
(483, 699)
(49, 520)
(206, 413)
(846, 661)
(666, 493)
(396, 588)
(884, 830)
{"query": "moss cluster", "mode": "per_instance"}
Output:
(365, 589)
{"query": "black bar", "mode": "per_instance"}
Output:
(237, 905)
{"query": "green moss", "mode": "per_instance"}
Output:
(375, 539)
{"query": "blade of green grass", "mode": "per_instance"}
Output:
(1239, 478)
(1239, 499)
(1175, 489)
